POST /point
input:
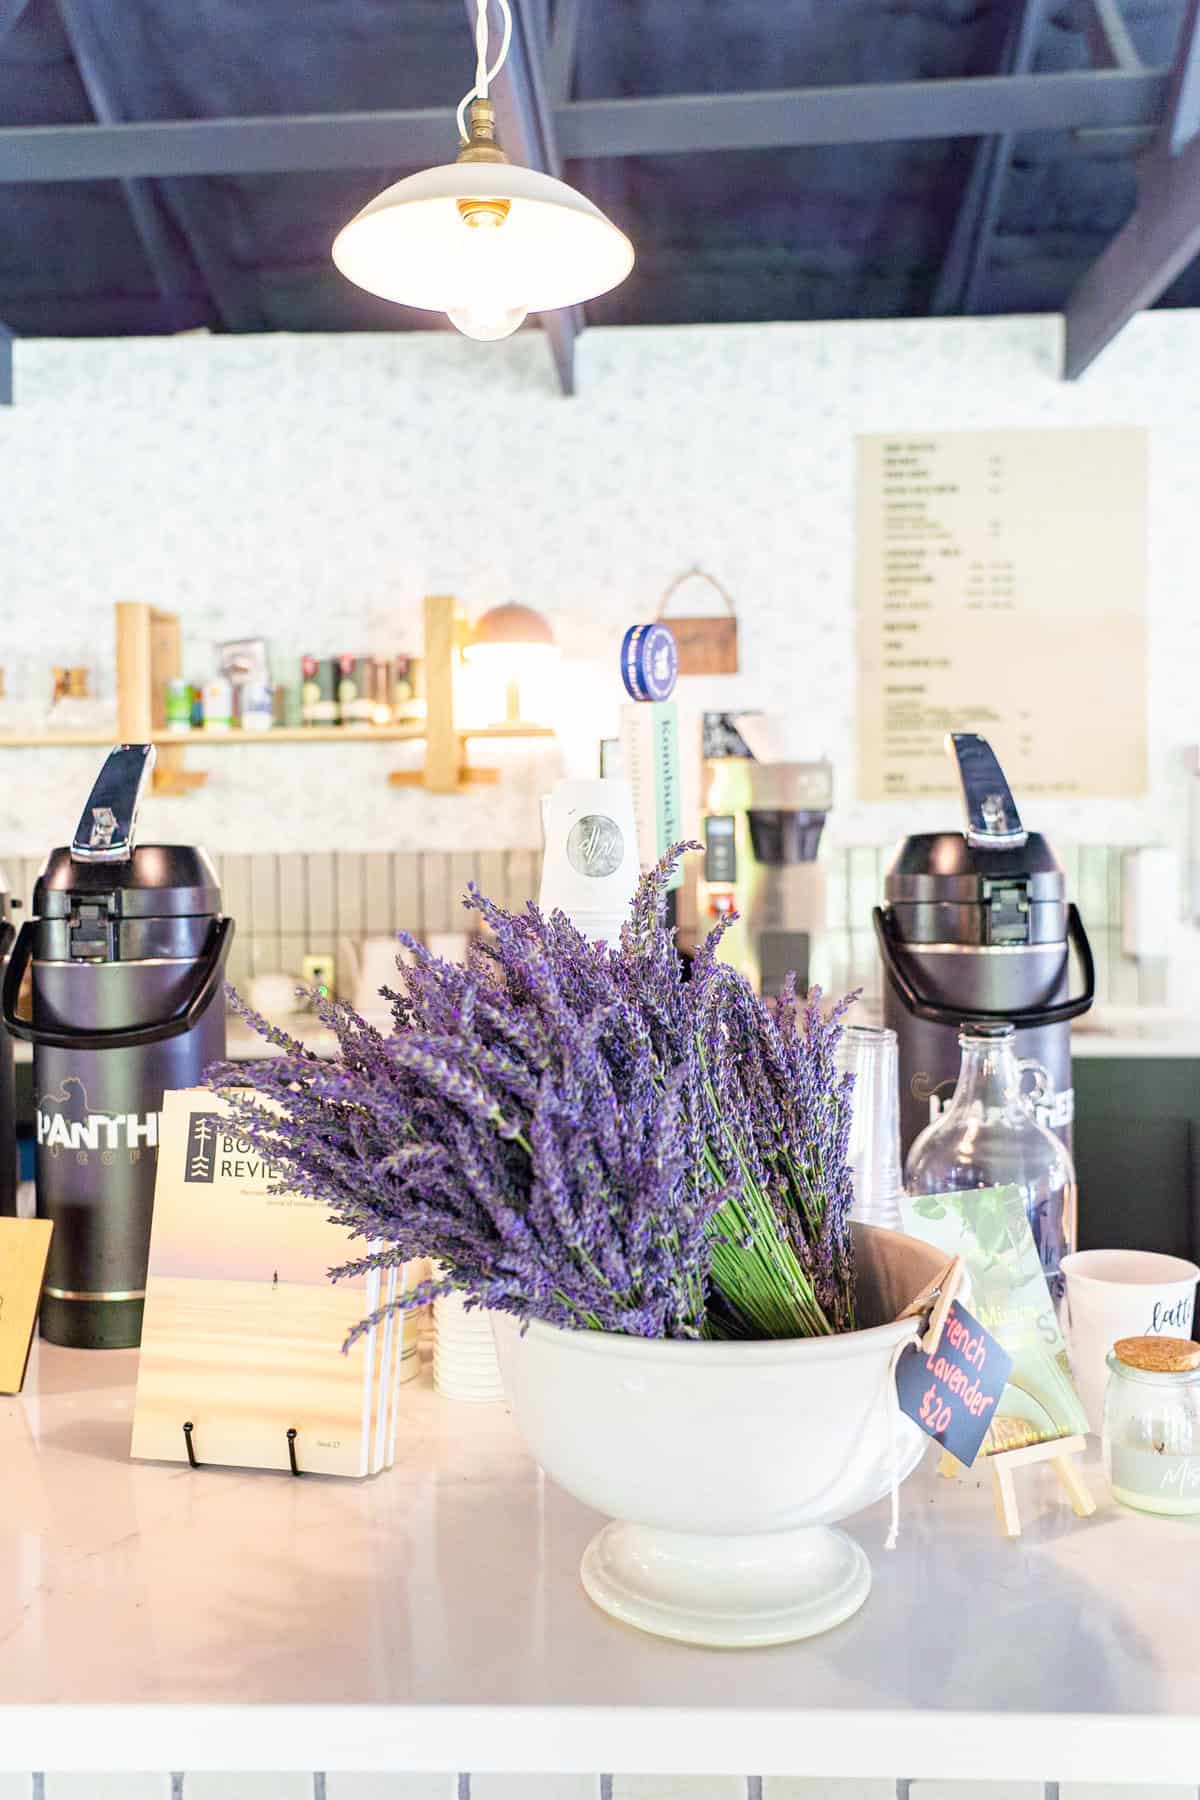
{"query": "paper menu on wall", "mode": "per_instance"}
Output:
(1001, 589)
(243, 1330)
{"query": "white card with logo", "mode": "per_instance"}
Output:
(243, 1329)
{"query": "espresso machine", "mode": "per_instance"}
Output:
(762, 829)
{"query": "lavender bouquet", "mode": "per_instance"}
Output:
(599, 1138)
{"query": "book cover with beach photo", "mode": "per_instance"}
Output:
(243, 1329)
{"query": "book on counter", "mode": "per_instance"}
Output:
(243, 1329)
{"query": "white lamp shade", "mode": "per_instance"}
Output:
(411, 244)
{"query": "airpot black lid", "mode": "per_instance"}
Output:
(158, 881)
(942, 866)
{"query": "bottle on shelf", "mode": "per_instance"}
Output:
(218, 704)
(178, 702)
(73, 706)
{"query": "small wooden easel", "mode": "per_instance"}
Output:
(1058, 1452)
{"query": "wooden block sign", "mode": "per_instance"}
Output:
(952, 1391)
(24, 1247)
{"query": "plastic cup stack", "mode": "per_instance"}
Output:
(871, 1054)
(465, 1366)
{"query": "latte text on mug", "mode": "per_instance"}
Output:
(1175, 1317)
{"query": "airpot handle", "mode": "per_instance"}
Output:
(108, 827)
(993, 822)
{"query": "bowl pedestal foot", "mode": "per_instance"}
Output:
(731, 1592)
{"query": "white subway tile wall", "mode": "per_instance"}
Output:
(678, 1787)
(537, 1787)
(797, 1787)
(288, 905)
(250, 1787)
(100, 1787)
(452, 1786)
(976, 1790)
(1115, 1790)
(391, 1787)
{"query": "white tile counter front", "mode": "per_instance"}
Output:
(152, 1617)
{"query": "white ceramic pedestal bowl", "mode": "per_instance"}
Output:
(726, 1464)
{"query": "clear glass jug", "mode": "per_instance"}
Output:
(989, 1136)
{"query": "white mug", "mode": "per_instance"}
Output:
(1115, 1294)
(590, 868)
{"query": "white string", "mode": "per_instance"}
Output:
(893, 1536)
(484, 76)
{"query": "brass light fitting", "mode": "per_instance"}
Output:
(481, 147)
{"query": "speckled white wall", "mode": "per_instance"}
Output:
(314, 488)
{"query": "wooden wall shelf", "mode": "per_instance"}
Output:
(58, 740)
(306, 734)
(149, 654)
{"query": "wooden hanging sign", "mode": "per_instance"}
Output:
(707, 644)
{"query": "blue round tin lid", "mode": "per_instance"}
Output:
(649, 661)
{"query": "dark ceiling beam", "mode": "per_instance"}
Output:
(6, 366)
(525, 128)
(1162, 236)
(966, 254)
(883, 112)
(1183, 107)
(673, 124)
(564, 46)
(173, 263)
(10, 14)
(537, 14)
(1109, 43)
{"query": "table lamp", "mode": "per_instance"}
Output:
(511, 643)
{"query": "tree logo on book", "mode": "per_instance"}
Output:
(202, 1140)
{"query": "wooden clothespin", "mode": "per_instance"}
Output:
(936, 1299)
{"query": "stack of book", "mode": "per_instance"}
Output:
(243, 1331)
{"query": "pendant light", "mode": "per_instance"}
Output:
(482, 239)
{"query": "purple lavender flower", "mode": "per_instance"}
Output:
(596, 1137)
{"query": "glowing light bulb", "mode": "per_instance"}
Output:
(486, 321)
(491, 310)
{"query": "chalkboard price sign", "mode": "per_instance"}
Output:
(952, 1391)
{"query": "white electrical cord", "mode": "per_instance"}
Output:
(483, 75)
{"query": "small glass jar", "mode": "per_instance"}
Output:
(1152, 1435)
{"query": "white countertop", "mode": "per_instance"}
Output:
(153, 1617)
(1141, 1031)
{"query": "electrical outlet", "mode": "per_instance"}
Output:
(317, 971)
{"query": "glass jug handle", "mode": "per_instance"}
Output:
(1041, 1095)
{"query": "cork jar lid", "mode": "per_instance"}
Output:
(1158, 1355)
